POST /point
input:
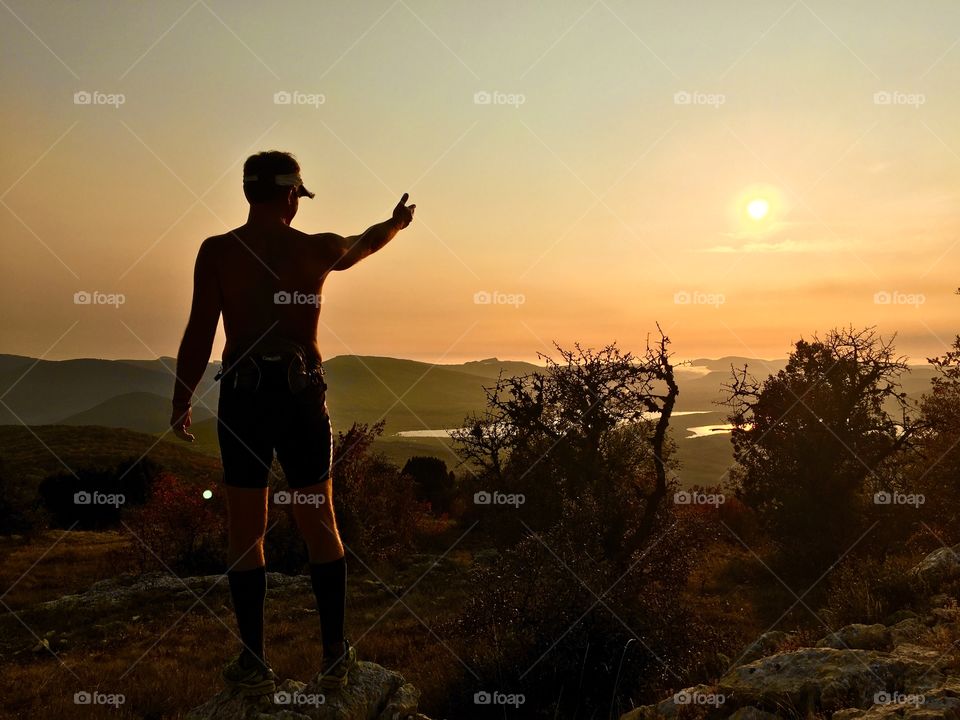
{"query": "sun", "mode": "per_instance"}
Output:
(758, 208)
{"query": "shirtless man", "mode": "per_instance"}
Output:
(266, 278)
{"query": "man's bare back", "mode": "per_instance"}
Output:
(271, 284)
(267, 279)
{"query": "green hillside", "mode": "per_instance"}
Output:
(30, 454)
(139, 411)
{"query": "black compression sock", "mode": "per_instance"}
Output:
(329, 582)
(248, 589)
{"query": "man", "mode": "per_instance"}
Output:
(266, 278)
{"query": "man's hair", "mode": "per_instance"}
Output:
(265, 165)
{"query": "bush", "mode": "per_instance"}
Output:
(867, 590)
(555, 613)
(433, 483)
(19, 513)
(178, 529)
(377, 510)
(93, 498)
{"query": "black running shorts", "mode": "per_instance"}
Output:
(252, 424)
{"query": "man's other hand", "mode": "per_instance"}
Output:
(403, 213)
(180, 421)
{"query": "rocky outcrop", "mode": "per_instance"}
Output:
(938, 567)
(858, 637)
(899, 669)
(373, 693)
(824, 679)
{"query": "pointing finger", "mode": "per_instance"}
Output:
(403, 200)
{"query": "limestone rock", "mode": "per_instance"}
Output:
(766, 644)
(939, 566)
(824, 679)
(858, 637)
(373, 693)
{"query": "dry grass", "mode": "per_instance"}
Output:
(168, 659)
(58, 563)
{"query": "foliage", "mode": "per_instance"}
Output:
(814, 442)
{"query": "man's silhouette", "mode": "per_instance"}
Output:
(266, 278)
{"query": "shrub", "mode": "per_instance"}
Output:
(867, 590)
(377, 510)
(178, 529)
(71, 498)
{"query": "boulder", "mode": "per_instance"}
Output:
(858, 637)
(766, 644)
(679, 704)
(824, 679)
(373, 693)
(938, 567)
(907, 631)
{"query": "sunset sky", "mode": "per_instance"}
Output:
(745, 172)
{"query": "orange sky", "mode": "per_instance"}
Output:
(584, 166)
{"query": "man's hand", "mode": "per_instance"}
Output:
(403, 213)
(180, 421)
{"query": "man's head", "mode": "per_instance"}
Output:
(273, 178)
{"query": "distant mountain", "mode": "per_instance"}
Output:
(52, 390)
(409, 394)
(140, 411)
(491, 367)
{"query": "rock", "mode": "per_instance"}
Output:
(921, 707)
(907, 631)
(679, 704)
(373, 693)
(752, 713)
(858, 637)
(945, 615)
(938, 567)
(929, 656)
(766, 644)
(899, 616)
(109, 603)
(125, 592)
(824, 679)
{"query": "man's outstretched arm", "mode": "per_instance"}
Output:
(355, 248)
(194, 353)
